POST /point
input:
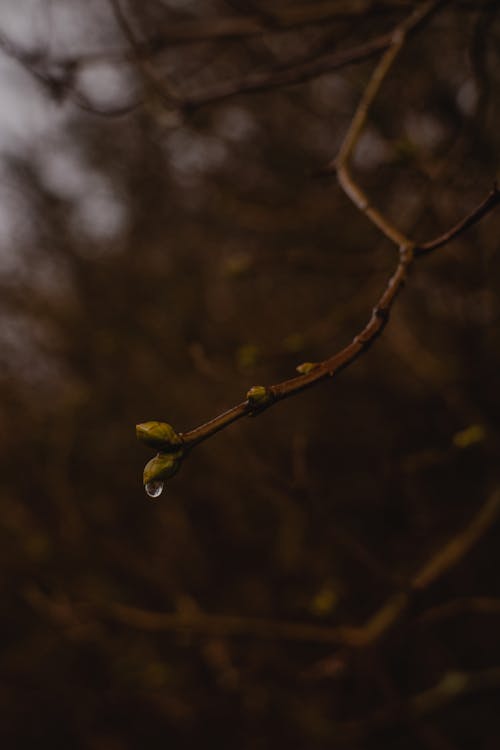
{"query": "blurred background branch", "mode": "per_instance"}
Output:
(159, 260)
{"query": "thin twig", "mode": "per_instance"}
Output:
(468, 604)
(450, 687)
(157, 85)
(74, 622)
(222, 625)
(491, 200)
(340, 164)
(273, 21)
(58, 78)
(288, 75)
(308, 69)
(360, 343)
(141, 51)
(455, 550)
(438, 564)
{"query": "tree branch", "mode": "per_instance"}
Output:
(450, 687)
(360, 344)
(348, 636)
(58, 77)
(489, 203)
(158, 86)
(308, 69)
(340, 164)
(288, 75)
(467, 604)
(260, 398)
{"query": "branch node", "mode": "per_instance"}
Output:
(259, 397)
(306, 367)
(398, 37)
(407, 254)
(382, 313)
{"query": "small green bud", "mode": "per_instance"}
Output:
(306, 367)
(162, 466)
(472, 435)
(158, 435)
(259, 395)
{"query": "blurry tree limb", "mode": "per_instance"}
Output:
(490, 202)
(340, 164)
(214, 29)
(273, 20)
(438, 564)
(59, 75)
(463, 605)
(79, 622)
(158, 85)
(452, 686)
(295, 73)
(481, 81)
(58, 78)
(455, 550)
(200, 623)
(307, 69)
(84, 104)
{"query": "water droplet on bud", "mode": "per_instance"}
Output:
(154, 489)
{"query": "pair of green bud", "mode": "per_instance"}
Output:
(169, 444)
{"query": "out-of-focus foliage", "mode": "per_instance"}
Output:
(155, 265)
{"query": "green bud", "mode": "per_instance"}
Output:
(162, 466)
(258, 394)
(158, 435)
(472, 435)
(306, 367)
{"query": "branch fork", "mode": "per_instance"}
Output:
(259, 398)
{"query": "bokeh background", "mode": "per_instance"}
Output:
(155, 262)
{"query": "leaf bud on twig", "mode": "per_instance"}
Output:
(258, 395)
(159, 435)
(306, 367)
(162, 466)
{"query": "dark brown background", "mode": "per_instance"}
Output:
(154, 266)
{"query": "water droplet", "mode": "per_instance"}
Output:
(154, 489)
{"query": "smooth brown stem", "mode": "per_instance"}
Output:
(456, 549)
(308, 69)
(360, 344)
(408, 249)
(341, 163)
(204, 431)
(492, 200)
